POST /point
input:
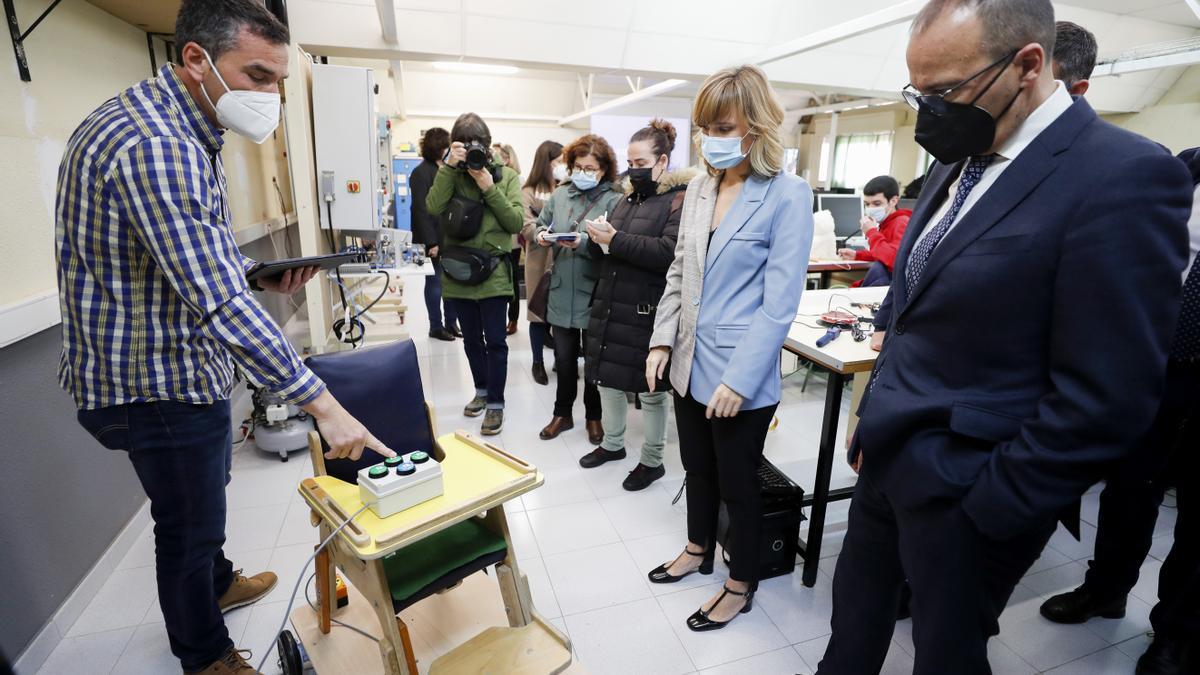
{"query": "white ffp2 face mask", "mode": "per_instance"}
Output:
(253, 114)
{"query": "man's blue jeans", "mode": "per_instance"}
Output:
(433, 300)
(181, 453)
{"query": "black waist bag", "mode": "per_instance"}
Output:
(469, 266)
(463, 218)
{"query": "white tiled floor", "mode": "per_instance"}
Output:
(586, 546)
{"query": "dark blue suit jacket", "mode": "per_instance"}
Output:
(1032, 352)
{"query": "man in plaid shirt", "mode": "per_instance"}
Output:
(157, 312)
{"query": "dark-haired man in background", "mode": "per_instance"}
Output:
(883, 224)
(1074, 56)
(1133, 493)
(157, 312)
(1031, 312)
(427, 230)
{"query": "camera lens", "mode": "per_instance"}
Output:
(476, 156)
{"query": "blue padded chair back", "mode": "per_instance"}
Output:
(381, 387)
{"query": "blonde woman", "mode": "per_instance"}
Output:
(731, 295)
(504, 153)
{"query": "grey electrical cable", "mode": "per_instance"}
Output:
(307, 599)
(296, 586)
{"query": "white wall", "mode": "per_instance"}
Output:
(1175, 120)
(78, 57)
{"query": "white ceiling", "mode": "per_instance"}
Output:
(691, 38)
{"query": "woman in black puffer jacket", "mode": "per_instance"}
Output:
(638, 244)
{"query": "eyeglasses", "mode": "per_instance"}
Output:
(936, 103)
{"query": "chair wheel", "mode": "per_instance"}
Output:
(290, 660)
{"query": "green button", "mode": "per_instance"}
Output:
(419, 457)
(393, 461)
(377, 471)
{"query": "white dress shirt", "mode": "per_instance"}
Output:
(1035, 124)
(1193, 233)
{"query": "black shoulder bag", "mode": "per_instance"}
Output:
(469, 266)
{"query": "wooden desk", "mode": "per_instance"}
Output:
(826, 268)
(841, 358)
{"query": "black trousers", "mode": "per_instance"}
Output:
(568, 345)
(514, 303)
(1134, 490)
(960, 580)
(1178, 610)
(721, 456)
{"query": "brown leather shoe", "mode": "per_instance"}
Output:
(557, 426)
(595, 432)
(246, 591)
(232, 663)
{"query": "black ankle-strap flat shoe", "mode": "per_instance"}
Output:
(700, 622)
(659, 575)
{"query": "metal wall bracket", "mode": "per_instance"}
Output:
(18, 38)
(168, 40)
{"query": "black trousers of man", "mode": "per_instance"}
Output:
(1177, 613)
(960, 579)
(1133, 493)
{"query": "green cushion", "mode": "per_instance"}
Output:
(414, 567)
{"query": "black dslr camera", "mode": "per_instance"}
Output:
(477, 156)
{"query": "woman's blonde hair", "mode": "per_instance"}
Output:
(744, 91)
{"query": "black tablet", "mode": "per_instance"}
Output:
(274, 268)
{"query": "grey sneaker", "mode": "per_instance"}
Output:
(493, 422)
(475, 407)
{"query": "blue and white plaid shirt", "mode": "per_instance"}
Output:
(152, 287)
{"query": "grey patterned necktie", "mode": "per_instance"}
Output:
(1186, 346)
(919, 258)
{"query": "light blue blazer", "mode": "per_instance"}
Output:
(729, 305)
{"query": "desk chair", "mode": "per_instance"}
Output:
(381, 387)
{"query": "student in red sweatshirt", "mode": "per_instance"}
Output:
(883, 225)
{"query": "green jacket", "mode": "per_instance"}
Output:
(575, 271)
(503, 216)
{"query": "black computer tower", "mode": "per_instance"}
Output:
(783, 504)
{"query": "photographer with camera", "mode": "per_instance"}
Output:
(478, 202)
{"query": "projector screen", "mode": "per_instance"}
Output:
(617, 130)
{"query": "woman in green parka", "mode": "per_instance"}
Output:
(590, 194)
(481, 301)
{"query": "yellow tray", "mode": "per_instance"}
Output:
(476, 476)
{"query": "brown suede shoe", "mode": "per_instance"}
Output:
(232, 663)
(557, 426)
(595, 432)
(246, 591)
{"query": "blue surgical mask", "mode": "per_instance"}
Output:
(722, 153)
(584, 180)
(876, 214)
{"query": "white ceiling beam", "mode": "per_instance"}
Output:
(857, 104)
(896, 14)
(643, 93)
(511, 117)
(397, 71)
(1195, 6)
(1114, 67)
(387, 20)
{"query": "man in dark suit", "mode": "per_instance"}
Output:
(1032, 305)
(1134, 490)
